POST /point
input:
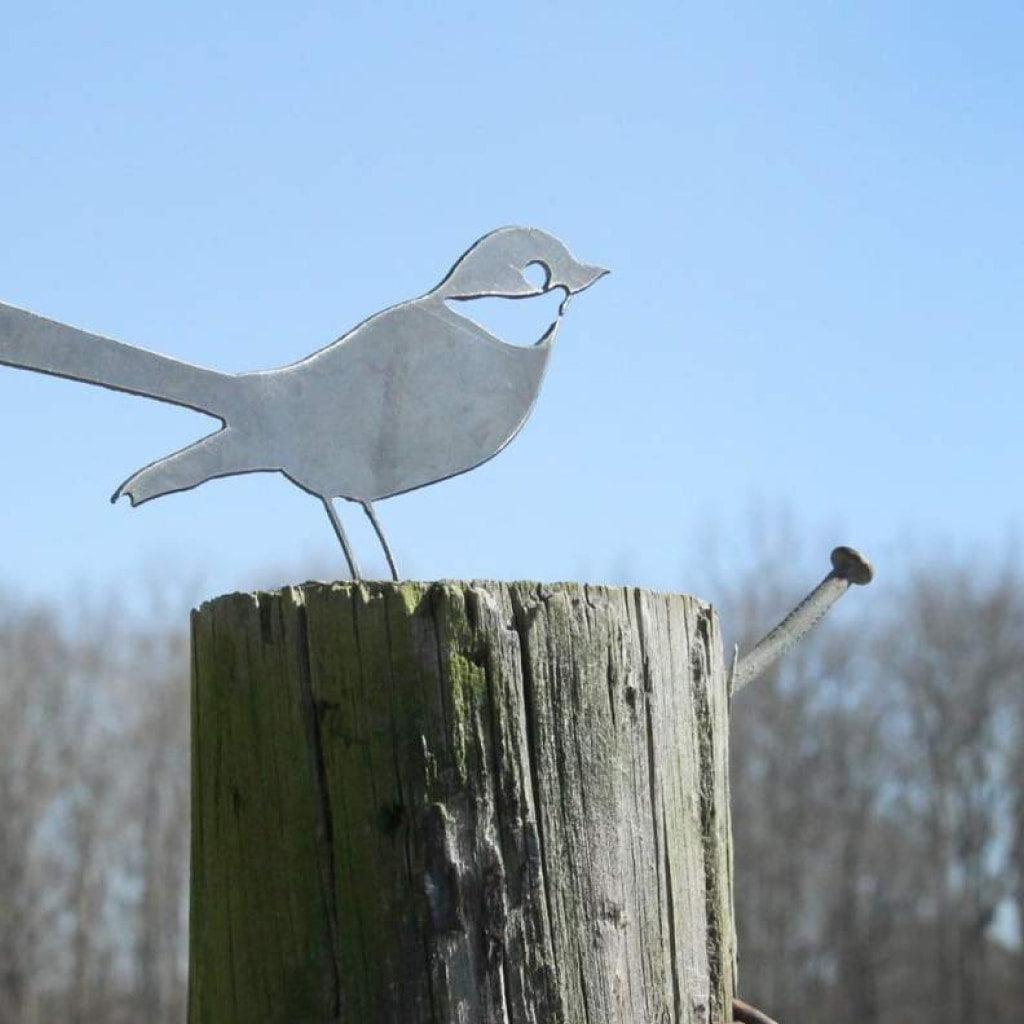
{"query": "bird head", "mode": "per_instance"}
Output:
(496, 265)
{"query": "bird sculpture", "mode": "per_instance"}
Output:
(413, 395)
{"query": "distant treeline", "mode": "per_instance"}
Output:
(878, 804)
(93, 817)
(878, 808)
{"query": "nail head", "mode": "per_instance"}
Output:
(849, 564)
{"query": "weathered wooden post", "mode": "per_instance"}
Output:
(459, 803)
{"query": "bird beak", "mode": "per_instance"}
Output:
(583, 276)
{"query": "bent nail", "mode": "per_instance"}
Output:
(848, 567)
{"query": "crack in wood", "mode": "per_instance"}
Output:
(708, 808)
(325, 824)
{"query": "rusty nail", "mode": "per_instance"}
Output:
(744, 1013)
(848, 567)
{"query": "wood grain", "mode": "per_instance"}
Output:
(460, 802)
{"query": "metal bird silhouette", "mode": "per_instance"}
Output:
(413, 395)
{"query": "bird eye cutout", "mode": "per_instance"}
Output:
(538, 274)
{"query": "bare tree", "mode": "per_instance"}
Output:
(780, 783)
(956, 653)
(1016, 818)
(93, 800)
(35, 660)
(94, 766)
(160, 806)
(872, 784)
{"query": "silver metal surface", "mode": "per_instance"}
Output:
(848, 566)
(413, 395)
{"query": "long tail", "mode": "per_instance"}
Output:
(34, 343)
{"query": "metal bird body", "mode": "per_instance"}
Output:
(413, 395)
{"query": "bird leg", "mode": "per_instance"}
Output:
(350, 557)
(368, 508)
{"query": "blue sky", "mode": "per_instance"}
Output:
(813, 214)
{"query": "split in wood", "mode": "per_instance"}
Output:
(848, 566)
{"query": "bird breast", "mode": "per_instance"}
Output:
(413, 395)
